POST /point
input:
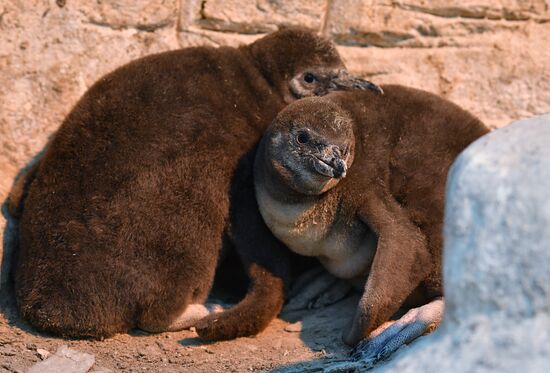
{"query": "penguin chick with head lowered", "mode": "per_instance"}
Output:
(357, 179)
(127, 212)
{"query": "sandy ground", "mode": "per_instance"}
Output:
(295, 341)
(298, 341)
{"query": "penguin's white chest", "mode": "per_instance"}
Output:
(345, 247)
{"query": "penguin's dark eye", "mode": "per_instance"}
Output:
(309, 78)
(302, 137)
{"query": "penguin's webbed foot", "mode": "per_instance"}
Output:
(390, 336)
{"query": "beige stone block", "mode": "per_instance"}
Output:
(147, 15)
(49, 56)
(489, 9)
(260, 16)
(499, 82)
(195, 36)
(417, 24)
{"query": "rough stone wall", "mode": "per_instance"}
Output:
(489, 56)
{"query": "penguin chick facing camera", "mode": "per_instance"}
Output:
(126, 213)
(357, 179)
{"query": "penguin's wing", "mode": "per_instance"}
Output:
(401, 262)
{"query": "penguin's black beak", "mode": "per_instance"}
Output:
(344, 81)
(329, 163)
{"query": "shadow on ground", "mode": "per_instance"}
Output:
(321, 331)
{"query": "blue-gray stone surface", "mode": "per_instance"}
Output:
(496, 259)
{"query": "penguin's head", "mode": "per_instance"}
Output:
(319, 81)
(300, 64)
(310, 145)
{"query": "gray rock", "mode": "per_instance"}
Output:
(496, 261)
(65, 360)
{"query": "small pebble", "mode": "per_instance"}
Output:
(42, 354)
(294, 327)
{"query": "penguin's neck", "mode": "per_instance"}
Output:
(300, 221)
(289, 215)
(317, 226)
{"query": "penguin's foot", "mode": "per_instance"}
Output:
(192, 314)
(381, 343)
(390, 336)
(315, 289)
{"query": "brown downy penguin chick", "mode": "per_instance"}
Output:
(357, 180)
(127, 212)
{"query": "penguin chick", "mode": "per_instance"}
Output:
(127, 211)
(357, 180)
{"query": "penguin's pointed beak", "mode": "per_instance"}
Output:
(330, 163)
(345, 81)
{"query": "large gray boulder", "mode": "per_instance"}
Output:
(496, 261)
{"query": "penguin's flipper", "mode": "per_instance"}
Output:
(401, 262)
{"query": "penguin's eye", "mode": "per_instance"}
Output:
(309, 78)
(302, 137)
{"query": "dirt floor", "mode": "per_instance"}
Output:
(298, 340)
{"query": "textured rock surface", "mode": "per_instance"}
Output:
(497, 282)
